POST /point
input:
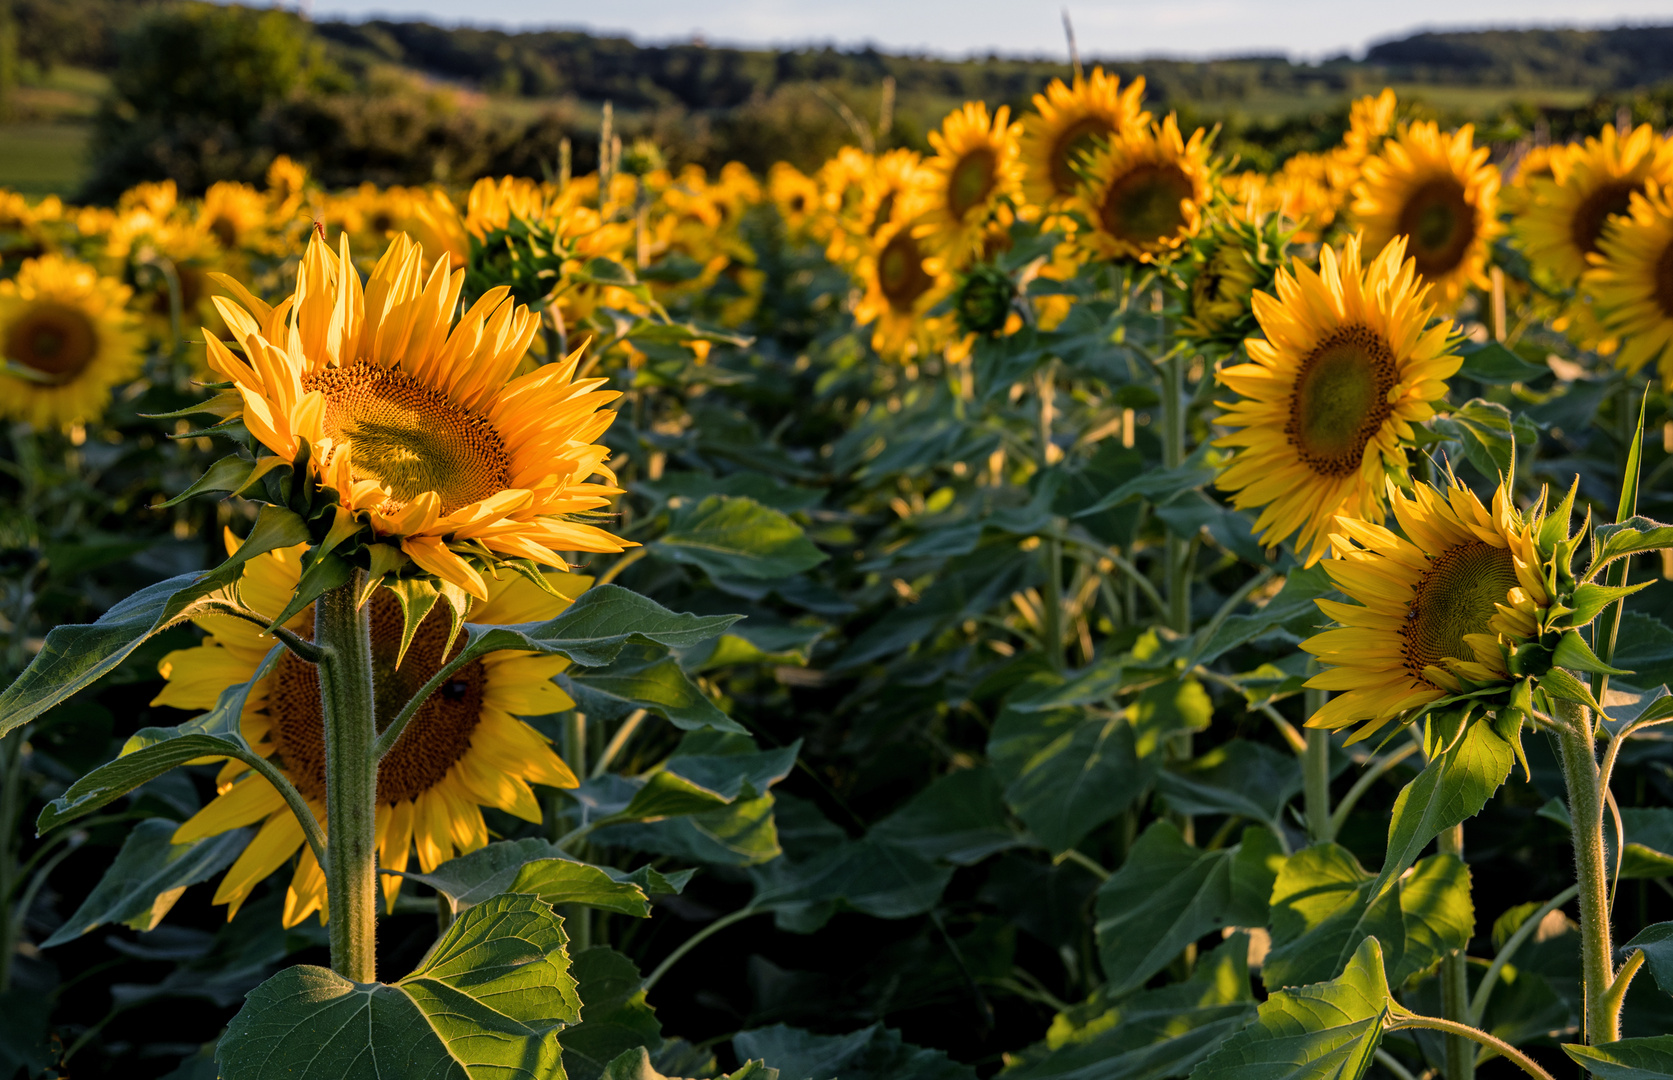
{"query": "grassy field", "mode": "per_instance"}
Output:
(43, 158)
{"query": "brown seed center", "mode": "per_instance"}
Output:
(438, 735)
(1441, 225)
(900, 272)
(1664, 281)
(1341, 400)
(1595, 210)
(1073, 144)
(55, 341)
(411, 438)
(971, 180)
(1146, 204)
(1456, 596)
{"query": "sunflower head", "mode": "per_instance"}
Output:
(1142, 195)
(1591, 183)
(902, 283)
(1439, 192)
(1370, 120)
(407, 436)
(66, 339)
(1069, 121)
(1325, 407)
(1630, 282)
(972, 176)
(464, 749)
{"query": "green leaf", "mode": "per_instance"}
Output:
(148, 876)
(1649, 835)
(1326, 1031)
(1560, 684)
(1240, 778)
(1656, 942)
(540, 868)
(487, 1002)
(1451, 789)
(1573, 653)
(636, 1064)
(151, 752)
(741, 833)
(1322, 912)
(74, 657)
(228, 474)
(1168, 894)
(615, 1018)
(1294, 601)
(1152, 1034)
(1485, 432)
(1629, 537)
(1065, 771)
(959, 818)
(659, 686)
(1193, 472)
(1495, 364)
(731, 536)
(868, 876)
(873, 1053)
(1627, 1059)
(593, 630)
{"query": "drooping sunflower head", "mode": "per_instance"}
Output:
(1143, 194)
(1439, 192)
(415, 425)
(1325, 407)
(1069, 121)
(1228, 262)
(1589, 184)
(464, 749)
(66, 339)
(1441, 612)
(971, 177)
(1631, 281)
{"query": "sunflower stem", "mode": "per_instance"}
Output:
(1455, 983)
(343, 632)
(1585, 808)
(1321, 826)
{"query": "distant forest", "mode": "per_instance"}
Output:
(410, 102)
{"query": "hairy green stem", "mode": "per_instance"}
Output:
(1455, 982)
(1173, 454)
(1402, 1020)
(1321, 827)
(1585, 808)
(343, 631)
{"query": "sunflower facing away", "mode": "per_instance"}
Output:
(1326, 407)
(1143, 193)
(901, 284)
(1069, 121)
(1631, 281)
(1436, 610)
(419, 428)
(1588, 185)
(463, 750)
(67, 338)
(973, 171)
(1439, 192)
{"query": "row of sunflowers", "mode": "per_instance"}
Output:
(1084, 388)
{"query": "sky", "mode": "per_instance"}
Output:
(1304, 29)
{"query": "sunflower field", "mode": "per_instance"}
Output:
(1064, 606)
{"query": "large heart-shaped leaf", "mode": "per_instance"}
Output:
(873, 1053)
(1326, 1031)
(538, 868)
(731, 536)
(1627, 1059)
(486, 1004)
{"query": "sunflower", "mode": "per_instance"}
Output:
(236, 215)
(1436, 610)
(1520, 171)
(901, 285)
(66, 337)
(463, 750)
(25, 229)
(1370, 120)
(1143, 193)
(895, 188)
(422, 432)
(796, 195)
(971, 176)
(1588, 185)
(1439, 192)
(1326, 407)
(1631, 281)
(1068, 122)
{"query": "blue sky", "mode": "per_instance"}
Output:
(1123, 28)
